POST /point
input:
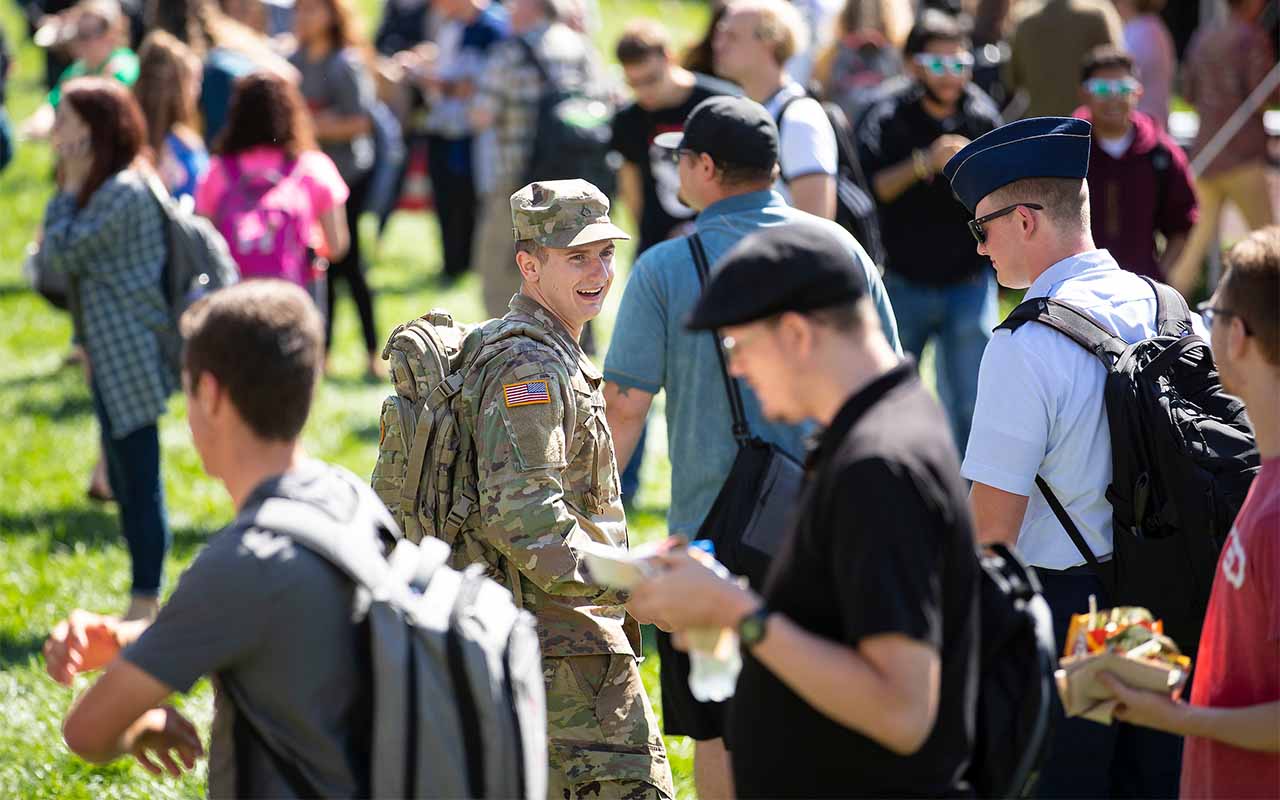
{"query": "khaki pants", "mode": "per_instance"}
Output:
(494, 253)
(603, 740)
(1246, 187)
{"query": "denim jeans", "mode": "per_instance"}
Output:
(631, 472)
(133, 469)
(959, 318)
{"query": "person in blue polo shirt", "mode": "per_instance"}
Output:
(1040, 412)
(727, 162)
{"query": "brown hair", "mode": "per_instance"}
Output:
(264, 341)
(699, 58)
(1251, 288)
(266, 109)
(344, 29)
(117, 131)
(166, 67)
(1065, 200)
(1104, 56)
(642, 39)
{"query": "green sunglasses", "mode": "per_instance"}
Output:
(1103, 88)
(958, 64)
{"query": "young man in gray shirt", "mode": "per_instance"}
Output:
(268, 619)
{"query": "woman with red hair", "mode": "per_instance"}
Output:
(106, 231)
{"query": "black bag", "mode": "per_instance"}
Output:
(1182, 454)
(1015, 685)
(855, 207)
(750, 516)
(571, 135)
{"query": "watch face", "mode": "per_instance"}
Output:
(751, 629)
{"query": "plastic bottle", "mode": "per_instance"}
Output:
(714, 659)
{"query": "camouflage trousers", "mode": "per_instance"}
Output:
(603, 738)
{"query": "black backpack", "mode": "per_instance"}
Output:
(571, 135)
(1182, 454)
(855, 207)
(1015, 685)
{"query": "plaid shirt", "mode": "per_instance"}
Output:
(115, 246)
(511, 86)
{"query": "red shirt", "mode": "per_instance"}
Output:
(1240, 648)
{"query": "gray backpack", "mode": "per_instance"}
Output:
(458, 702)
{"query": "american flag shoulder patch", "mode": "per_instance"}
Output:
(525, 393)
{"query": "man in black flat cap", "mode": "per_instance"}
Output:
(726, 158)
(1040, 414)
(860, 668)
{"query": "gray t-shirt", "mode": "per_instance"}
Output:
(340, 83)
(273, 621)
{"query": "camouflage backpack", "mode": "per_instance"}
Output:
(426, 469)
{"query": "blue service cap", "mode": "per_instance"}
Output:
(1040, 147)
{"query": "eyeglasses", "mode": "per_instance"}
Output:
(1209, 312)
(958, 64)
(733, 345)
(1104, 89)
(676, 155)
(980, 233)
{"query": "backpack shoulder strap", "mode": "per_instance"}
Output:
(1071, 322)
(1173, 315)
(531, 53)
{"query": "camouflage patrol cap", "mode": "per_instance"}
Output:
(562, 214)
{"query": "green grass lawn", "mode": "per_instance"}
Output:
(60, 551)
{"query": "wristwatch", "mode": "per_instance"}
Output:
(751, 628)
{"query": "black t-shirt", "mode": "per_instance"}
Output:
(633, 132)
(882, 544)
(923, 230)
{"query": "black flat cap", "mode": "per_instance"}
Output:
(800, 266)
(733, 130)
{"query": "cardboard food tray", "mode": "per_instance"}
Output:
(1084, 696)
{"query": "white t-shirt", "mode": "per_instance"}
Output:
(1116, 147)
(806, 142)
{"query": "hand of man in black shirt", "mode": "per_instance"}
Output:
(686, 594)
(943, 148)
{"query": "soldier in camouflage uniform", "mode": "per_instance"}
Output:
(548, 480)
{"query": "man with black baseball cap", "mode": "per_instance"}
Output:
(860, 659)
(726, 158)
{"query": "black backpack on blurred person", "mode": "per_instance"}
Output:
(855, 207)
(572, 133)
(1182, 453)
(1017, 658)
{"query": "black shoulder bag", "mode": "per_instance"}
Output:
(752, 513)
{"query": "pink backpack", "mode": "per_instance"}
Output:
(266, 219)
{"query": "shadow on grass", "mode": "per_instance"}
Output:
(31, 378)
(16, 649)
(65, 407)
(88, 527)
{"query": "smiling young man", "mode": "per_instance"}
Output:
(941, 290)
(1040, 412)
(548, 481)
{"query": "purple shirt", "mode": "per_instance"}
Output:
(1147, 189)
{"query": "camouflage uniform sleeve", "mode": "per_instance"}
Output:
(521, 454)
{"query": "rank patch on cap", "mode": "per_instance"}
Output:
(527, 393)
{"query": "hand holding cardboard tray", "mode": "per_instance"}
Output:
(1084, 696)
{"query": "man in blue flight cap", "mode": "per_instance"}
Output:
(1040, 412)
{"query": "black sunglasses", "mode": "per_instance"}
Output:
(1209, 312)
(975, 225)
